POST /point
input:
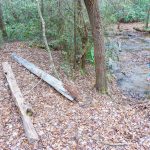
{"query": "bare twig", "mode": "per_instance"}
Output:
(114, 144)
(33, 87)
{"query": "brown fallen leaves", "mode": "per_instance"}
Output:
(94, 123)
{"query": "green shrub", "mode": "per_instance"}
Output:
(90, 55)
(124, 11)
(23, 31)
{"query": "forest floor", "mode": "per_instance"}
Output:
(96, 122)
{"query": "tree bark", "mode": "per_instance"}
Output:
(148, 16)
(83, 33)
(2, 25)
(42, 7)
(99, 48)
(75, 34)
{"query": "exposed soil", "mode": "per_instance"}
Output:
(96, 122)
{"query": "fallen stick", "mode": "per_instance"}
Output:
(114, 144)
(52, 81)
(23, 107)
(141, 30)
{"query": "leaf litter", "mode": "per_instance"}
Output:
(96, 122)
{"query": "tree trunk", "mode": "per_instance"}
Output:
(147, 18)
(99, 47)
(75, 35)
(42, 7)
(2, 25)
(52, 66)
(83, 33)
(42, 11)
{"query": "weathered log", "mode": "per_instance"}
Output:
(24, 108)
(52, 81)
(142, 30)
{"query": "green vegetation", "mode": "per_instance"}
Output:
(124, 11)
(21, 18)
(22, 22)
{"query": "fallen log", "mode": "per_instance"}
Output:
(52, 81)
(24, 108)
(142, 30)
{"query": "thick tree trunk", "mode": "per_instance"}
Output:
(99, 48)
(2, 25)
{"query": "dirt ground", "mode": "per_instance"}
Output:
(97, 122)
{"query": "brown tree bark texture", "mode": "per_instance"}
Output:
(99, 48)
(2, 25)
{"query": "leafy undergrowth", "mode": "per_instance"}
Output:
(95, 122)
